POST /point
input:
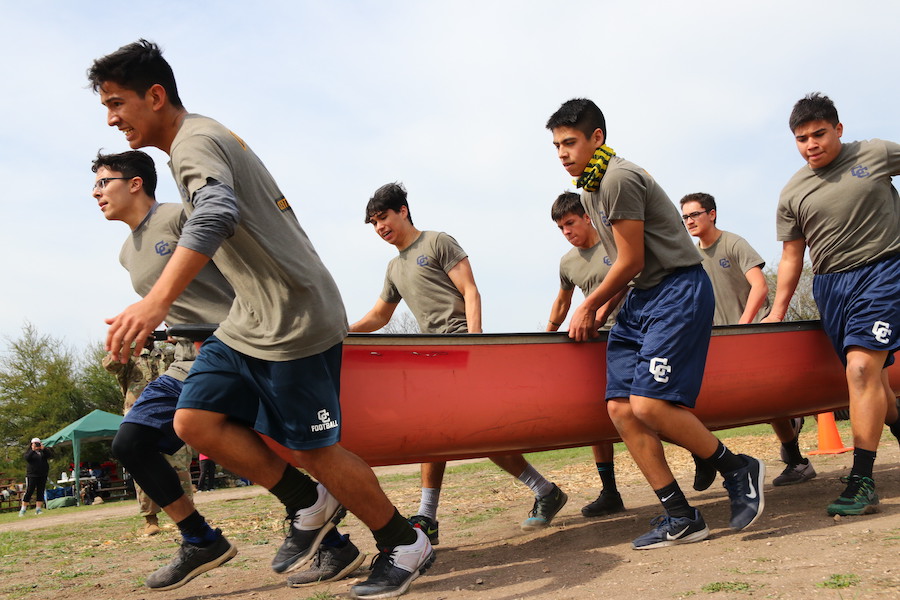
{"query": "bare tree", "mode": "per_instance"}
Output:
(803, 305)
(401, 322)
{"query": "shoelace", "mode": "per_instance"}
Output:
(381, 562)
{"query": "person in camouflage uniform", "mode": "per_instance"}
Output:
(133, 377)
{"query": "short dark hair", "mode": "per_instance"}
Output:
(813, 107)
(565, 203)
(133, 163)
(390, 196)
(705, 200)
(137, 67)
(581, 114)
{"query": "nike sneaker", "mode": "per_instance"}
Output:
(745, 490)
(669, 531)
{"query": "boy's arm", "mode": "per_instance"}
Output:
(629, 239)
(376, 318)
(462, 277)
(759, 289)
(136, 322)
(559, 309)
(789, 270)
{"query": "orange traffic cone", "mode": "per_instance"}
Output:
(829, 438)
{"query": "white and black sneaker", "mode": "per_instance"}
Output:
(306, 529)
(394, 569)
(191, 561)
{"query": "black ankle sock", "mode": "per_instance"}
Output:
(295, 490)
(196, 530)
(863, 462)
(607, 477)
(792, 451)
(397, 532)
(725, 460)
(673, 501)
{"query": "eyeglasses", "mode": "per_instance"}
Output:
(693, 215)
(100, 184)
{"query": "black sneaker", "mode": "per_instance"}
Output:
(668, 531)
(428, 525)
(704, 473)
(306, 529)
(191, 561)
(394, 569)
(329, 564)
(794, 474)
(745, 489)
(607, 503)
(545, 508)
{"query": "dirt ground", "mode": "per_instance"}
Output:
(794, 551)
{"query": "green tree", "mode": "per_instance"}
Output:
(44, 386)
(803, 305)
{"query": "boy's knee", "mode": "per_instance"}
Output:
(193, 426)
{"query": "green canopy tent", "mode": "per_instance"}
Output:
(96, 425)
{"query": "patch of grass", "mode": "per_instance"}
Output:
(11, 543)
(479, 517)
(726, 586)
(321, 596)
(840, 581)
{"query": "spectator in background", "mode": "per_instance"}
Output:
(38, 459)
(207, 480)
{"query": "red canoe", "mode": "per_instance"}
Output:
(419, 398)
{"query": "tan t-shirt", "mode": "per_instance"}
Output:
(207, 299)
(726, 262)
(848, 212)
(287, 305)
(628, 192)
(418, 275)
(585, 269)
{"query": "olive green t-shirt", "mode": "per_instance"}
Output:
(418, 275)
(585, 269)
(628, 192)
(726, 262)
(849, 211)
(207, 299)
(287, 305)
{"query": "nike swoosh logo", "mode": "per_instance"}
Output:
(752, 493)
(669, 536)
(668, 497)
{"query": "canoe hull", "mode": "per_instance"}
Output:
(421, 398)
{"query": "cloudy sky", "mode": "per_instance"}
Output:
(450, 98)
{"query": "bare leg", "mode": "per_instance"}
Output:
(351, 481)
(432, 474)
(640, 421)
(603, 452)
(236, 447)
(869, 400)
(514, 464)
(783, 429)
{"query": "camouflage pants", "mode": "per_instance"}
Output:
(181, 462)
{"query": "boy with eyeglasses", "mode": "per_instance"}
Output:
(842, 204)
(273, 365)
(741, 292)
(146, 443)
(656, 351)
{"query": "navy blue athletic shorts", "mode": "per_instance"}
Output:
(295, 402)
(861, 307)
(155, 408)
(658, 346)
